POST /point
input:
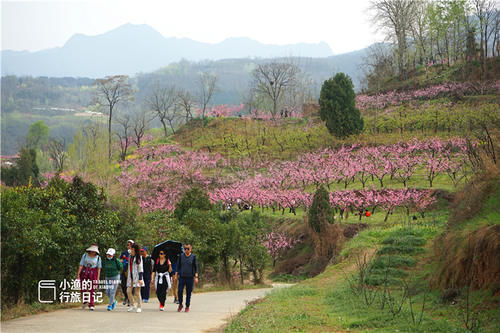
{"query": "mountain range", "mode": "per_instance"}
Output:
(131, 49)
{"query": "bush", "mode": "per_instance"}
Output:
(45, 231)
(194, 198)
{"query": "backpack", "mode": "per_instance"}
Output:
(117, 264)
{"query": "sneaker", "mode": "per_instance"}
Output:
(179, 309)
(187, 309)
(125, 302)
(139, 310)
(91, 308)
(109, 307)
(114, 304)
(130, 309)
(176, 301)
(161, 308)
(146, 300)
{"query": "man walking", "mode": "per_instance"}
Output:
(187, 273)
(147, 265)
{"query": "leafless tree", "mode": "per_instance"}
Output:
(124, 134)
(140, 125)
(57, 151)
(485, 11)
(496, 34)
(273, 79)
(419, 29)
(186, 103)
(206, 88)
(163, 103)
(396, 17)
(377, 66)
(111, 91)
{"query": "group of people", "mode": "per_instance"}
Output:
(136, 271)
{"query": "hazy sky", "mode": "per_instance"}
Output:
(343, 24)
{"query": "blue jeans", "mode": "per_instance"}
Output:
(188, 282)
(111, 286)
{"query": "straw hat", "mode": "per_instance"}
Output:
(93, 248)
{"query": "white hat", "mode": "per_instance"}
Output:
(130, 241)
(93, 248)
(111, 251)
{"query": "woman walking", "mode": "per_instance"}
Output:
(135, 278)
(88, 274)
(112, 269)
(161, 273)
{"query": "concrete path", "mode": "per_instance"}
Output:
(208, 311)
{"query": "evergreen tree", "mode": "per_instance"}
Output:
(320, 211)
(337, 106)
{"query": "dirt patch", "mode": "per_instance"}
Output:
(351, 230)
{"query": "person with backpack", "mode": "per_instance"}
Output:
(161, 272)
(123, 276)
(112, 269)
(187, 273)
(147, 264)
(88, 274)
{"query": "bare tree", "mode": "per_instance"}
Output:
(140, 126)
(419, 29)
(377, 66)
(273, 79)
(206, 88)
(124, 134)
(486, 11)
(57, 151)
(186, 103)
(163, 102)
(496, 34)
(111, 91)
(396, 17)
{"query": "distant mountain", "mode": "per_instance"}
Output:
(131, 49)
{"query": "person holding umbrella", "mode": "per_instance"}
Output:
(88, 274)
(187, 273)
(161, 273)
(171, 249)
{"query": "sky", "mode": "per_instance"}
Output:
(343, 24)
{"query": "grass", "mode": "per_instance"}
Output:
(326, 303)
(489, 214)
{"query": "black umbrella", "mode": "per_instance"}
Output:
(171, 248)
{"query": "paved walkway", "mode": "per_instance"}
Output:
(208, 311)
